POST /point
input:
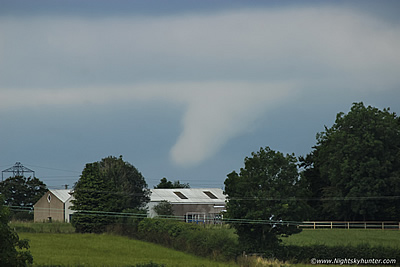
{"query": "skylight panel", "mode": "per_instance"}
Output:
(180, 195)
(210, 195)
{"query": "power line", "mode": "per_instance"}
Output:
(59, 176)
(142, 216)
(54, 169)
(312, 199)
(269, 221)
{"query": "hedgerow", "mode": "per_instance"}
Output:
(219, 244)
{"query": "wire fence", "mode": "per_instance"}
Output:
(383, 225)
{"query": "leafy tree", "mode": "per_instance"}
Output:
(164, 208)
(263, 198)
(9, 255)
(104, 189)
(358, 160)
(314, 184)
(20, 193)
(164, 183)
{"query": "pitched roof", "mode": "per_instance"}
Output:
(188, 195)
(61, 194)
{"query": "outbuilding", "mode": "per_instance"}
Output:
(203, 205)
(54, 206)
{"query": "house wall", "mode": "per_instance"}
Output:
(192, 212)
(68, 211)
(47, 208)
(184, 209)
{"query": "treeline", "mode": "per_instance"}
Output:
(20, 194)
(353, 172)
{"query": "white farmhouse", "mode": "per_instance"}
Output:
(191, 204)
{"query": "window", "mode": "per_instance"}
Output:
(49, 198)
(210, 195)
(180, 195)
(193, 217)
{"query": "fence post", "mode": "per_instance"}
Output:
(348, 225)
(331, 225)
(383, 226)
(314, 225)
(365, 225)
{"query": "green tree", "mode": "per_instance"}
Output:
(263, 198)
(358, 159)
(165, 184)
(13, 251)
(21, 193)
(164, 208)
(106, 188)
(315, 185)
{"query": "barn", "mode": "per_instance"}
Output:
(54, 206)
(191, 204)
(203, 205)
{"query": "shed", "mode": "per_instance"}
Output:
(191, 204)
(54, 206)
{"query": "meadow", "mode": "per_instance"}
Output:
(104, 250)
(31, 227)
(56, 244)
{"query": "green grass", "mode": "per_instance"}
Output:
(39, 227)
(57, 244)
(341, 237)
(104, 250)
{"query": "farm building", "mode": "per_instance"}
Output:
(54, 206)
(191, 204)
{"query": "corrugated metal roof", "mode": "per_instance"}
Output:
(188, 195)
(61, 194)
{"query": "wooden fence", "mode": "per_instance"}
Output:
(388, 225)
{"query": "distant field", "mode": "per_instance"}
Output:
(38, 227)
(104, 250)
(341, 237)
(330, 237)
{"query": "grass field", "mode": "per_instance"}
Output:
(31, 227)
(341, 237)
(104, 250)
(57, 244)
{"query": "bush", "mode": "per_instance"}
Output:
(13, 251)
(218, 244)
(164, 208)
(128, 225)
(22, 216)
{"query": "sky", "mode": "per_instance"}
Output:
(185, 89)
